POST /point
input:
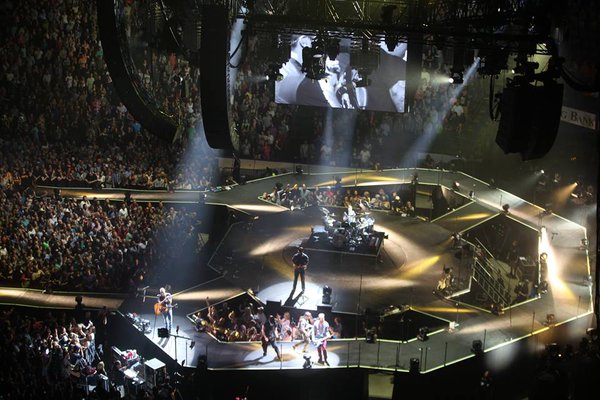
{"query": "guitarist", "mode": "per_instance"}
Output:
(165, 307)
(300, 261)
(305, 326)
(320, 335)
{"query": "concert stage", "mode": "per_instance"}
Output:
(256, 252)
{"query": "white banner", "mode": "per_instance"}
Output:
(579, 118)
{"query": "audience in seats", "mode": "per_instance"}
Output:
(86, 245)
(48, 356)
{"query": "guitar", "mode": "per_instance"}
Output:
(300, 267)
(161, 308)
(319, 341)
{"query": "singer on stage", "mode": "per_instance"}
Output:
(164, 306)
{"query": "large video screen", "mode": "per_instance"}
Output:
(344, 82)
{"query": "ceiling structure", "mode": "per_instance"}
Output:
(511, 25)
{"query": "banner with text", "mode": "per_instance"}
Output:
(579, 118)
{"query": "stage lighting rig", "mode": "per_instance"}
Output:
(492, 61)
(456, 76)
(312, 63)
(423, 334)
(332, 48)
(363, 80)
(307, 364)
(272, 73)
(387, 14)
(326, 298)
(524, 67)
(477, 347)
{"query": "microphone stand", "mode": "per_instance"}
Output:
(176, 336)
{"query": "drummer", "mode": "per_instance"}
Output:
(350, 215)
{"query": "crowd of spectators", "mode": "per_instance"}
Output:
(49, 356)
(397, 201)
(63, 125)
(64, 355)
(170, 79)
(135, 162)
(565, 371)
(86, 244)
(244, 322)
(62, 122)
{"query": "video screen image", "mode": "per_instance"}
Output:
(350, 80)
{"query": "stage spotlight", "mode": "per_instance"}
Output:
(477, 347)
(423, 334)
(550, 320)
(492, 184)
(456, 77)
(307, 364)
(415, 367)
(525, 68)
(456, 186)
(506, 207)
(371, 335)
(415, 179)
(553, 350)
(272, 73)
(391, 42)
(326, 299)
(332, 48)
(312, 63)
(471, 194)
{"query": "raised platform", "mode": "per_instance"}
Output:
(257, 255)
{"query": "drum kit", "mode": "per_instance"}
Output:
(354, 228)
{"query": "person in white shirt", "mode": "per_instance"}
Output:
(320, 335)
(305, 325)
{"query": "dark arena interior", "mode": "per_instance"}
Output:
(299, 199)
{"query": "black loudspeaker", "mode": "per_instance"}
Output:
(414, 66)
(324, 308)
(415, 366)
(154, 120)
(529, 120)
(273, 306)
(214, 72)
(163, 333)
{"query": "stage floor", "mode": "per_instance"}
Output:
(257, 256)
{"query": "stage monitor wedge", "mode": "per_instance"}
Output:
(214, 82)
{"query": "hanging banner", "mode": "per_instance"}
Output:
(579, 118)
